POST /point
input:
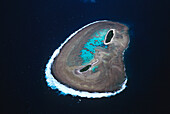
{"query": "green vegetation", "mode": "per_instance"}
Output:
(85, 68)
(109, 36)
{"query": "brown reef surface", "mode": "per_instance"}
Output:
(110, 73)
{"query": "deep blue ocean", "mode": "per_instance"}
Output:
(33, 29)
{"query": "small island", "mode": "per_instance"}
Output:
(91, 59)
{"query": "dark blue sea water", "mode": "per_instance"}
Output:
(32, 30)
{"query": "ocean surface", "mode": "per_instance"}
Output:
(32, 30)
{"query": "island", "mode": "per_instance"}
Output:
(92, 58)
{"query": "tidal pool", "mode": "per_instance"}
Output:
(90, 61)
